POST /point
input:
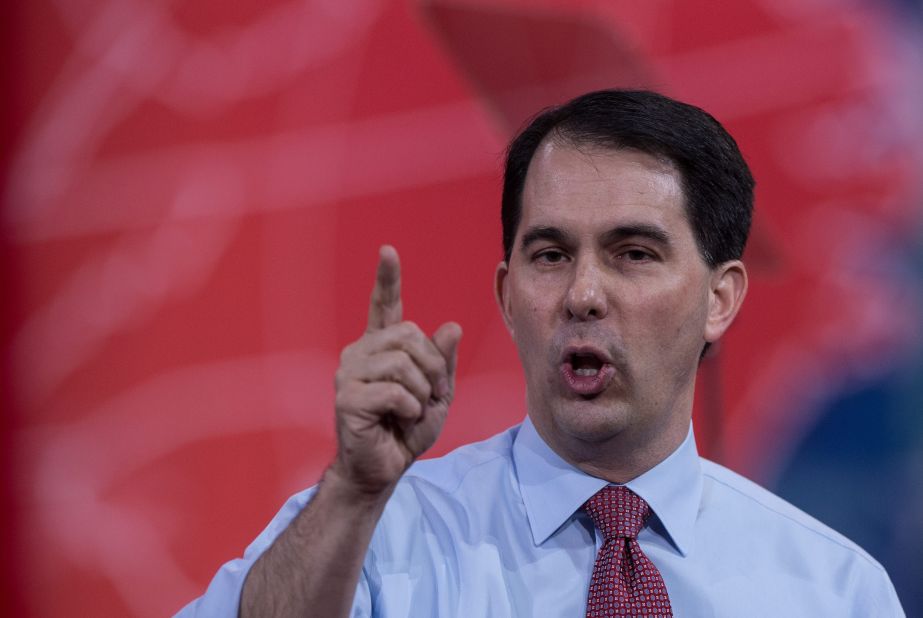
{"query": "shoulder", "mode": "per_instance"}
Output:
(767, 515)
(785, 549)
(445, 502)
(456, 469)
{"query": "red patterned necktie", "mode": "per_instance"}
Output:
(625, 582)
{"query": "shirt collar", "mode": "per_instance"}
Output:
(553, 490)
(673, 490)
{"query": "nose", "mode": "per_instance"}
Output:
(586, 298)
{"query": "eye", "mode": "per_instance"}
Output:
(550, 256)
(636, 255)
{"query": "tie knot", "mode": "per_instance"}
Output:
(617, 512)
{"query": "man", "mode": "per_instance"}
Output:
(625, 216)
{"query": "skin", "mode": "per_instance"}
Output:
(393, 390)
(604, 256)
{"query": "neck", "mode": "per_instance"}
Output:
(621, 456)
(620, 459)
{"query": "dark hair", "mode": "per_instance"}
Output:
(716, 181)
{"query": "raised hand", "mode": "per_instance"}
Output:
(393, 388)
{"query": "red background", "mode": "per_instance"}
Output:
(195, 194)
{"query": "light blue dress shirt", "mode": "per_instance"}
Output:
(495, 529)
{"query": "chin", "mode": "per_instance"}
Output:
(590, 421)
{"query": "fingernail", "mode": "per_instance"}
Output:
(442, 388)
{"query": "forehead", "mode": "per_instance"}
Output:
(599, 187)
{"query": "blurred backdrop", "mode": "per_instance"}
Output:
(193, 198)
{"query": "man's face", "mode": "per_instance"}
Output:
(609, 303)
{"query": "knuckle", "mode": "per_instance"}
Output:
(421, 377)
(403, 365)
(341, 401)
(394, 393)
(388, 367)
(436, 370)
(413, 406)
(343, 378)
(408, 374)
(347, 353)
(404, 329)
(403, 401)
(426, 390)
(411, 331)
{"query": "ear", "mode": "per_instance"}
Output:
(502, 294)
(726, 295)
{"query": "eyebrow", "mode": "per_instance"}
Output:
(631, 230)
(548, 233)
(616, 234)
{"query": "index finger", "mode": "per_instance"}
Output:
(385, 307)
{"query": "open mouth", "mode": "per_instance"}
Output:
(586, 372)
(585, 364)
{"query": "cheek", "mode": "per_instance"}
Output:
(673, 314)
(530, 298)
(527, 326)
(532, 318)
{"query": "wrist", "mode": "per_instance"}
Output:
(338, 483)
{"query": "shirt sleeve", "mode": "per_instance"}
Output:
(876, 597)
(222, 598)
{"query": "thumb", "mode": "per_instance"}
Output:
(446, 339)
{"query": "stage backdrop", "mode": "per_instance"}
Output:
(194, 197)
